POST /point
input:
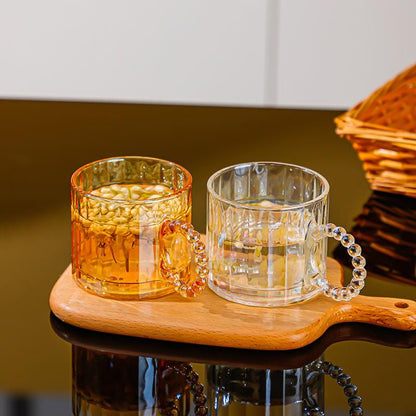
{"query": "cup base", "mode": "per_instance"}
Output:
(122, 291)
(262, 301)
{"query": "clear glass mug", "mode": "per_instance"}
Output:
(266, 236)
(131, 231)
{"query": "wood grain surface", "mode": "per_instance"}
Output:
(211, 320)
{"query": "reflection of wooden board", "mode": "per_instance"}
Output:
(211, 320)
(232, 357)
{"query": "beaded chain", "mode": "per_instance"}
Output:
(358, 261)
(198, 247)
(343, 380)
(197, 389)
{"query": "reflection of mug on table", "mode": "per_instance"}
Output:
(266, 235)
(297, 391)
(106, 384)
(270, 391)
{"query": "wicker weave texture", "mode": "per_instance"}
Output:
(382, 130)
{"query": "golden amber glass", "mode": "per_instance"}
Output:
(118, 208)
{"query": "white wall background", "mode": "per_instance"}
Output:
(297, 53)
(335, 53)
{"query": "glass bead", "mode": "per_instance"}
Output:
(201, 259)
(343, 380)
(202, 281)
(197, 289)
(354, 250)
(339, 232)
(335, 371)
(353, 292)
(193, 236)
(345, 294)
(357, 284)
(329, 229)
(198, 246)
(183, 291)
(193, 377)
(326, 289)
(356, 411)
(197, 389)
(321, 281)
(172, 411)
(187, 227)
(200, 400)
(326, 365)
(359, 273)
(188, 369)
(335, 293)
(201, 411)
(355, 401)
(176, 224)
(350, 390)
(347, 240)
(358, 261)
(190, 292)
(202, 271)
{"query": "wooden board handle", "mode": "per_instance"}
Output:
(388, 312)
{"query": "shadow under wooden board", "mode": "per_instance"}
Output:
(212, 320)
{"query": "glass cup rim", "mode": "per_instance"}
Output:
(187, 186)
(236, 204)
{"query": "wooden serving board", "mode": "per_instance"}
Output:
(212, 320)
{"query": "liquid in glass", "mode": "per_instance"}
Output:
(117, 244)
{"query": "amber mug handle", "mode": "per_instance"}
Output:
(195, 287)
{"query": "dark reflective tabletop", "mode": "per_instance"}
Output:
(49, 368)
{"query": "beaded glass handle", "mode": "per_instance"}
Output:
(358, 261)
(343, 380)
(192, 382)
(194, 288)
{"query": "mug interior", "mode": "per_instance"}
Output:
(131, 170)
(282, 184)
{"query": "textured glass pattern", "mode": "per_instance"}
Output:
(263, 223)
(118, 208)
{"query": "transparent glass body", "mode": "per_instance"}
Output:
(261, 233)
(108, 384)
(118, 207)
(239, 390)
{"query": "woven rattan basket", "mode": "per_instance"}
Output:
(382, 130)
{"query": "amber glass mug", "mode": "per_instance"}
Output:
(131, 231)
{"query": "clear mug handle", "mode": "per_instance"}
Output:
(359, 272)
(194, 288)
